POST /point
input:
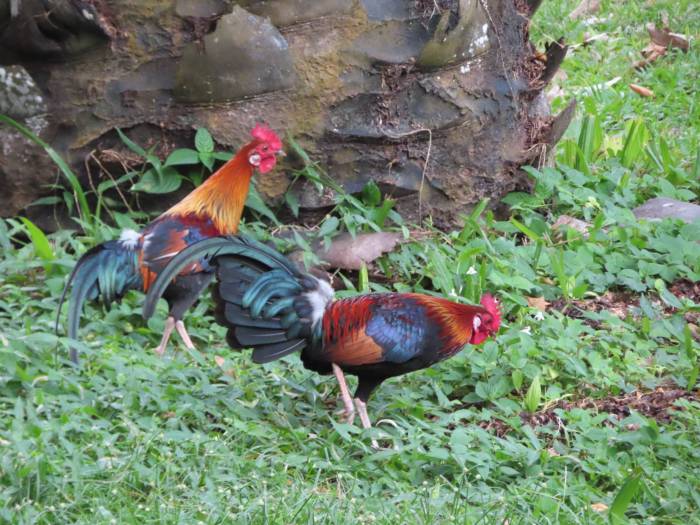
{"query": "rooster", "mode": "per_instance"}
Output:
(268, 304)
(111, 269)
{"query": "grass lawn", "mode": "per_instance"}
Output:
(562, 419)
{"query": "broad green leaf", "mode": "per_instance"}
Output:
(293, 202)
(151, 182)
(182, 156)
(131, 144)
(328, 226)
(517, 377)
(379, 214)
(527, 231)
(693, 377)
(41, 244)
(371, 194)
(208, 160)
(624, 497)
(478, 209)
(223, 155)
(533, 395)
(5, 240)
(203, 141)
(363, 279)
(255, 202)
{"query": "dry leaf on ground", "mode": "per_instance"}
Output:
(664, 37)
(572, 222)
(641, 90)
(585, 7)
(537, 302)
(661, 40)
(599, 507)
(349, 253)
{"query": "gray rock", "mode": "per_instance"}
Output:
(663, 207)
(245, 56)
(19, 95)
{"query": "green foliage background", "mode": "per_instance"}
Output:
(133, 438)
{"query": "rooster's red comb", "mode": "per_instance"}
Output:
(264, 133)
(491, 304)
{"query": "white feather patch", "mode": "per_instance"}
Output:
(476, 322)
(319, 299)
(130, 239)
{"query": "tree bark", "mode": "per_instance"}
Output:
(440, 102)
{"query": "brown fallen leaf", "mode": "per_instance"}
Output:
(219, 360)
(599, 507)
(585, 7)
(661, 40)
(663, 37)
(572, 222)
(348, 253)
(537, 302)
(641, 90)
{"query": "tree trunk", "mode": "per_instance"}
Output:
(438, 101)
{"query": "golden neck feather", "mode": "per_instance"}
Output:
(456, 319)
(222, 196)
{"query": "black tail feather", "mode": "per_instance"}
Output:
(266, 353)
(106, 271)
(249, 336)
(259, 295)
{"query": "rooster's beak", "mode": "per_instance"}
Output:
(281, 154)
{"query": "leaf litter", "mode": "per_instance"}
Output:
(626, 304)
(658, 404)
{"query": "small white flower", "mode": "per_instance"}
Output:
(539, 315)
(527, 330)
(472, 271)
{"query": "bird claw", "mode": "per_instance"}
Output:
(347, 416)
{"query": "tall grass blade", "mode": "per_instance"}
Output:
(41, 244)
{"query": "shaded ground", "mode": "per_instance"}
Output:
(658, 404)
(624, 304)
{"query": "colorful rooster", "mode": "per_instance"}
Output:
(269, 305)
(111, 269)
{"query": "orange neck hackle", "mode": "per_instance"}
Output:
(455, 319)
(222, 196)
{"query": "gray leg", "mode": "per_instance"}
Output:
(169, 325)
(345, 394)
(364, 417)
(180, 327)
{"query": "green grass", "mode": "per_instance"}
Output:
(132, 438)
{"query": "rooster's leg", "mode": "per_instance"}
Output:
(364, 417)
(345, 394)
(169, 325)
(180, 327)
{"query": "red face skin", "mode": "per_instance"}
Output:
(486, 324)
(264, 154)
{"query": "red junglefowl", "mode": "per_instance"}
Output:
(269, 305)
(111, 269)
